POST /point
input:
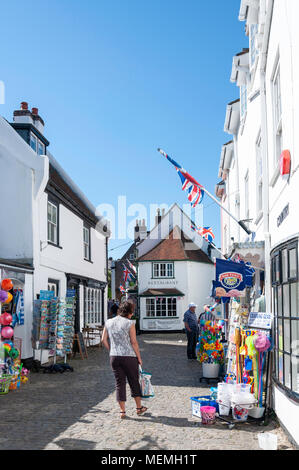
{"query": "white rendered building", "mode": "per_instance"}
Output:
(259, 173)
(48, 225)
(174, 269)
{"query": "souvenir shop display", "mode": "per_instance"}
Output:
(12, 373)
(53, 324)
(243, 393)
(210, 351)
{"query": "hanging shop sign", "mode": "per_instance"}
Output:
(260, 320)
(230, 276)
(283, 215)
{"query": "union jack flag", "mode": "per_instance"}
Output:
(131, 266)
(127, 274)
(122, 289)
(194, 190)
(205, 232)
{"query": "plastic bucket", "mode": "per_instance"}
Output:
(256, 413)
(267, 441)
(224, 406)
(208, 414)
(210, 371)
(239, 413)
(225, 388)
(247, 400)
(244, 388)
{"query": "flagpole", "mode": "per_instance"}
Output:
(239, 222)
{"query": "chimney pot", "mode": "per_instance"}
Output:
(24, 105)
(35, 111)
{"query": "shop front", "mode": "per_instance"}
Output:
(285, 304)
(21, 305)
(15, 324)
(161, 310)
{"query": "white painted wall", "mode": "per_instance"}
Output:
(193, 279)
(23, 176)
(283, 45)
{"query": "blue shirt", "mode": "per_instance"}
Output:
(191, 319)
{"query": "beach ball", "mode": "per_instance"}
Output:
(9, 298)
(7, 332)
(6, 284)
(5, 319)
(3, 295)
(7, 348)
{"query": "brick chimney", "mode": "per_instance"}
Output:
(25, 116)
(140, 232)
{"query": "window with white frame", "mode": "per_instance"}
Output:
(86, 243)
(161, 307)
(277, 114)
(37, 145)
(259, 176)
(243, 100)
(93, 305)
(41, 148)
(253, 48)
(33, 142)
(163, 270)
(52, 223)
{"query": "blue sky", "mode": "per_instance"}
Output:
(115, 79)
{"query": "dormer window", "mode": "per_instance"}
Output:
(37, 145)
(33, 142)
(41, 148)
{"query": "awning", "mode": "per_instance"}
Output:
(162, 293)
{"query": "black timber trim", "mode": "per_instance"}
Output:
(31, 128)
(67, 201)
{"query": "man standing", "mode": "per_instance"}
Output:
(191, 326)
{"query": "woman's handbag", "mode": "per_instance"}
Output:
(147, 390)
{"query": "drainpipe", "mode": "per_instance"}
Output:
(264, 143)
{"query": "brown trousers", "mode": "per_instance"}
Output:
(125, 367)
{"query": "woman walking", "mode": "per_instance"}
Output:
(119, 337)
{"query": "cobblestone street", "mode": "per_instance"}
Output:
(78, 410)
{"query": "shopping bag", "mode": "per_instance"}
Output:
(147, 390)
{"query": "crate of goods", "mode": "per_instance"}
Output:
(197, 402)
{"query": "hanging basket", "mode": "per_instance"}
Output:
(5, 383)
(210, 371)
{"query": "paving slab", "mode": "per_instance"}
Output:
(78, 410)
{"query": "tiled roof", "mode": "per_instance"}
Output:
(177, 247)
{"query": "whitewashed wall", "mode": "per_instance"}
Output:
(193, 279)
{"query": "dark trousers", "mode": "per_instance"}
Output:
(192, 341)
(125, 367)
